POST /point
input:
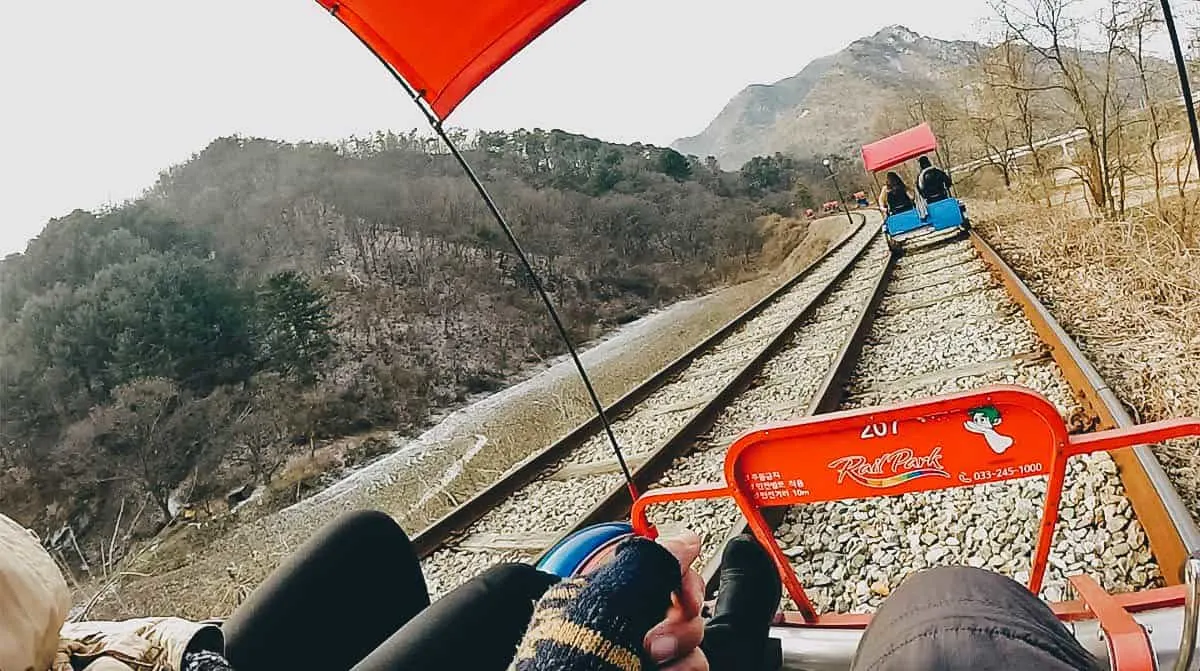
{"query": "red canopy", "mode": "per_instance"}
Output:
(899, 148)
(446, 48)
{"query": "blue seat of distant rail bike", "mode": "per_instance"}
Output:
(903, 222)
(944, 214)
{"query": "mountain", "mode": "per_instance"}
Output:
(831, 105)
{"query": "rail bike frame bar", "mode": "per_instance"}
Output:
(832, 648)
(994, 434)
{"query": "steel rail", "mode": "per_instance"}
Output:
(437, 533)
(1170, 528)
(615, 505)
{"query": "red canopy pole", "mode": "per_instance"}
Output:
(436, 123)
(1184, 85)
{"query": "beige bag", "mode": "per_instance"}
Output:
(34, 601)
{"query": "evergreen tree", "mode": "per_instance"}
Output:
(294, 326)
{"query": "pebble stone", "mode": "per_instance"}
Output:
(783, 389)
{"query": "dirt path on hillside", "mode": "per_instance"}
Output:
(200, 571)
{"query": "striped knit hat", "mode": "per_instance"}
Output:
(598, 622)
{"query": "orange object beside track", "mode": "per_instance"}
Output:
(444, 49)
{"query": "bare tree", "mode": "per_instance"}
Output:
(943, 116)
(1014, 92)
(1144, 23)
(261, 431)
(988, 121)
(1090, 93)
(139, 430)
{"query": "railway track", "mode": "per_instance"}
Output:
(953, 317)
(948, 324)
(859, 328)
(576, 480)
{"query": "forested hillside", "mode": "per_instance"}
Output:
(263, 296)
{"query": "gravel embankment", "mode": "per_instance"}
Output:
(945, 325)
(784, 389)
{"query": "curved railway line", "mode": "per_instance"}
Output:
(859, 327)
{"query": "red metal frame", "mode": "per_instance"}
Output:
(1128, 645)
(991, 435)
(1067, 611)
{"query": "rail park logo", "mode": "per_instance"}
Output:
(892, 468)
(984, 421)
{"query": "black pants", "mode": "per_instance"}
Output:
(353, 597)
(958, 618)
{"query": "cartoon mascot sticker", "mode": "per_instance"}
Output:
(984, 421)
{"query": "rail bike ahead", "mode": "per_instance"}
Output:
(940, 218)
(991, 435)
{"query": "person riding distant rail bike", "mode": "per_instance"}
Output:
(932, 182)
(894, 198)
(353, 597)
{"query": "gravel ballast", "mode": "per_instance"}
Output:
(853, 553)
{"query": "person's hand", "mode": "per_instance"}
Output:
(675, 642)
(623, 593)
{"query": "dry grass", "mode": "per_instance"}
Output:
(1129, 293)
(791, 245)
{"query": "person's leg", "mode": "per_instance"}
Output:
(477, 626)
(956, 617)
(333, 601)
(736, 637)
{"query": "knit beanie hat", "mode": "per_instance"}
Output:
(34, 600)
(598, 622)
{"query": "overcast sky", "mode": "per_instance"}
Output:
(98, 97)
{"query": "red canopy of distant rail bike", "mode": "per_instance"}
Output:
(892, 151)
